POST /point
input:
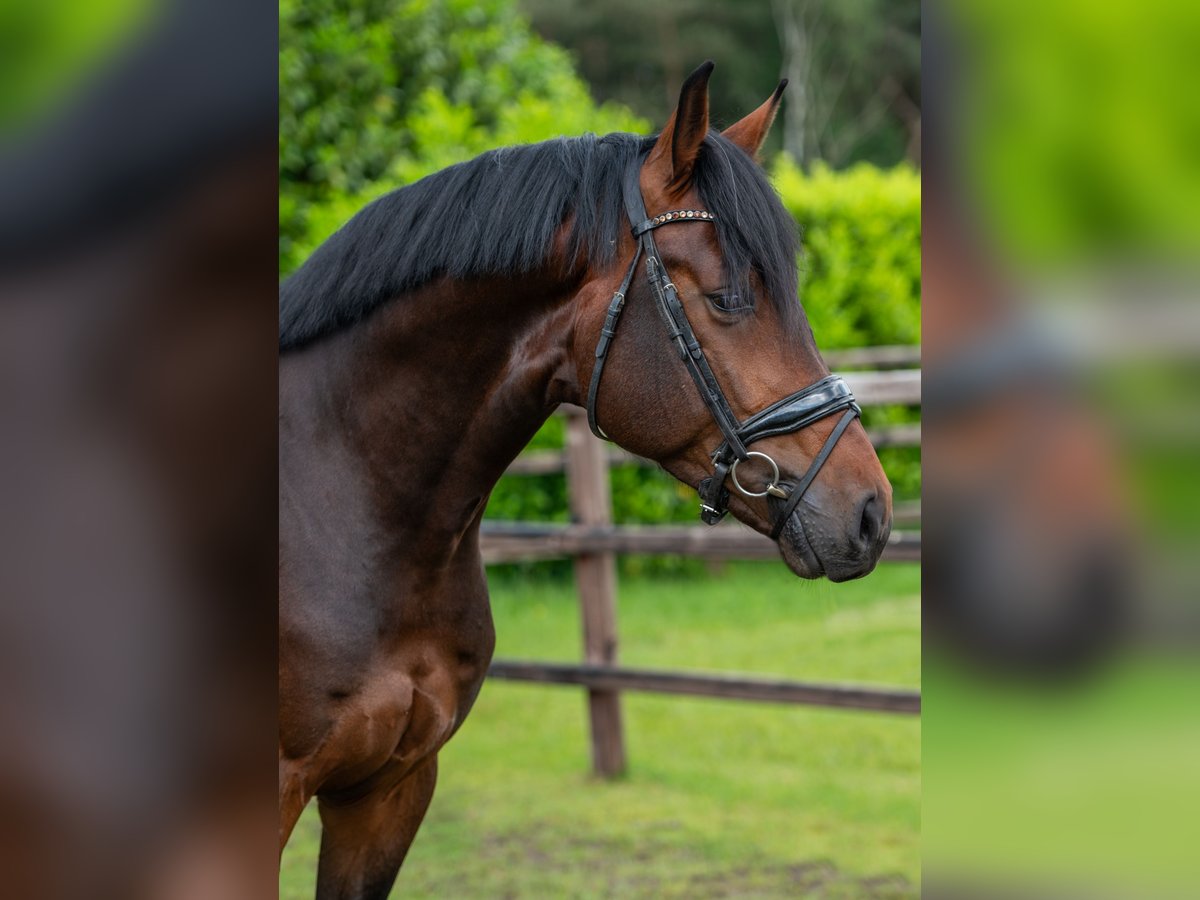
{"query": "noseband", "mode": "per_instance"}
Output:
(794, 412)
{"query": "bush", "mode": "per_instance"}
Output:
(377, 95)
(860, 280)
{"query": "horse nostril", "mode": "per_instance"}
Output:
(870, 521)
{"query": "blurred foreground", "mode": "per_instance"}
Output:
(1061, 438)
(137, 456)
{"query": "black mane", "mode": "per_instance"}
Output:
(498, 213)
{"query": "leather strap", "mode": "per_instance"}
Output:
(714, 496)
(607, 333)
(794, 412)
(797, 492)
(671, 308)
(692, 355)
(636, 210)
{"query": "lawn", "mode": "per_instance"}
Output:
(723, 798)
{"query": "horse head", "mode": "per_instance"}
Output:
(707, 374)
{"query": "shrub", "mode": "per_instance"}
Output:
(376, 95)
(860, 280)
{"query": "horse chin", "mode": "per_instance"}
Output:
(796, 550)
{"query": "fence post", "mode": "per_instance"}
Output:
(596, 581)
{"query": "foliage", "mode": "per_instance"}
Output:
(374, 95)
(860, 279)
(638, 52)
(856, 70)
(861, 274)
(854, 65)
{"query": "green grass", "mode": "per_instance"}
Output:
(722, 797)
(1084, 783)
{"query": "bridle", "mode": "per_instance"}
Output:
(794, 412)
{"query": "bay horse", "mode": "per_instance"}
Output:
(422, 346)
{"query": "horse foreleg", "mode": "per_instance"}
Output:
(293, 797)
(363, 843)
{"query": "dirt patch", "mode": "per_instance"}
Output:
(637, 868)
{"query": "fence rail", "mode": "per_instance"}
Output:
(729, 687)
(514, 541)
(902, 386)
(551, 462)
(592, 541)
(905, 356)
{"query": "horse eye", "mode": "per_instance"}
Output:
(728, 302)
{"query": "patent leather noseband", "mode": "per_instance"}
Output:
(794, 412)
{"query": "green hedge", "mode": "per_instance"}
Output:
(375, 95)
(860, 279)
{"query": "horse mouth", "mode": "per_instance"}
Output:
(796, 551)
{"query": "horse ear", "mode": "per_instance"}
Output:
(674, 154)
(750, 132)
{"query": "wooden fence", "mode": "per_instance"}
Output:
(593, 542)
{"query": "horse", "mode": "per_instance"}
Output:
(422, 346)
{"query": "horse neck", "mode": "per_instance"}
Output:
(418, 410)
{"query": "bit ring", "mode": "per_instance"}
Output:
(772, 487)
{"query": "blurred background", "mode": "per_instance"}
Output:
(718, 797)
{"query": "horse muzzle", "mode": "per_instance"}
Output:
(815, 541)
